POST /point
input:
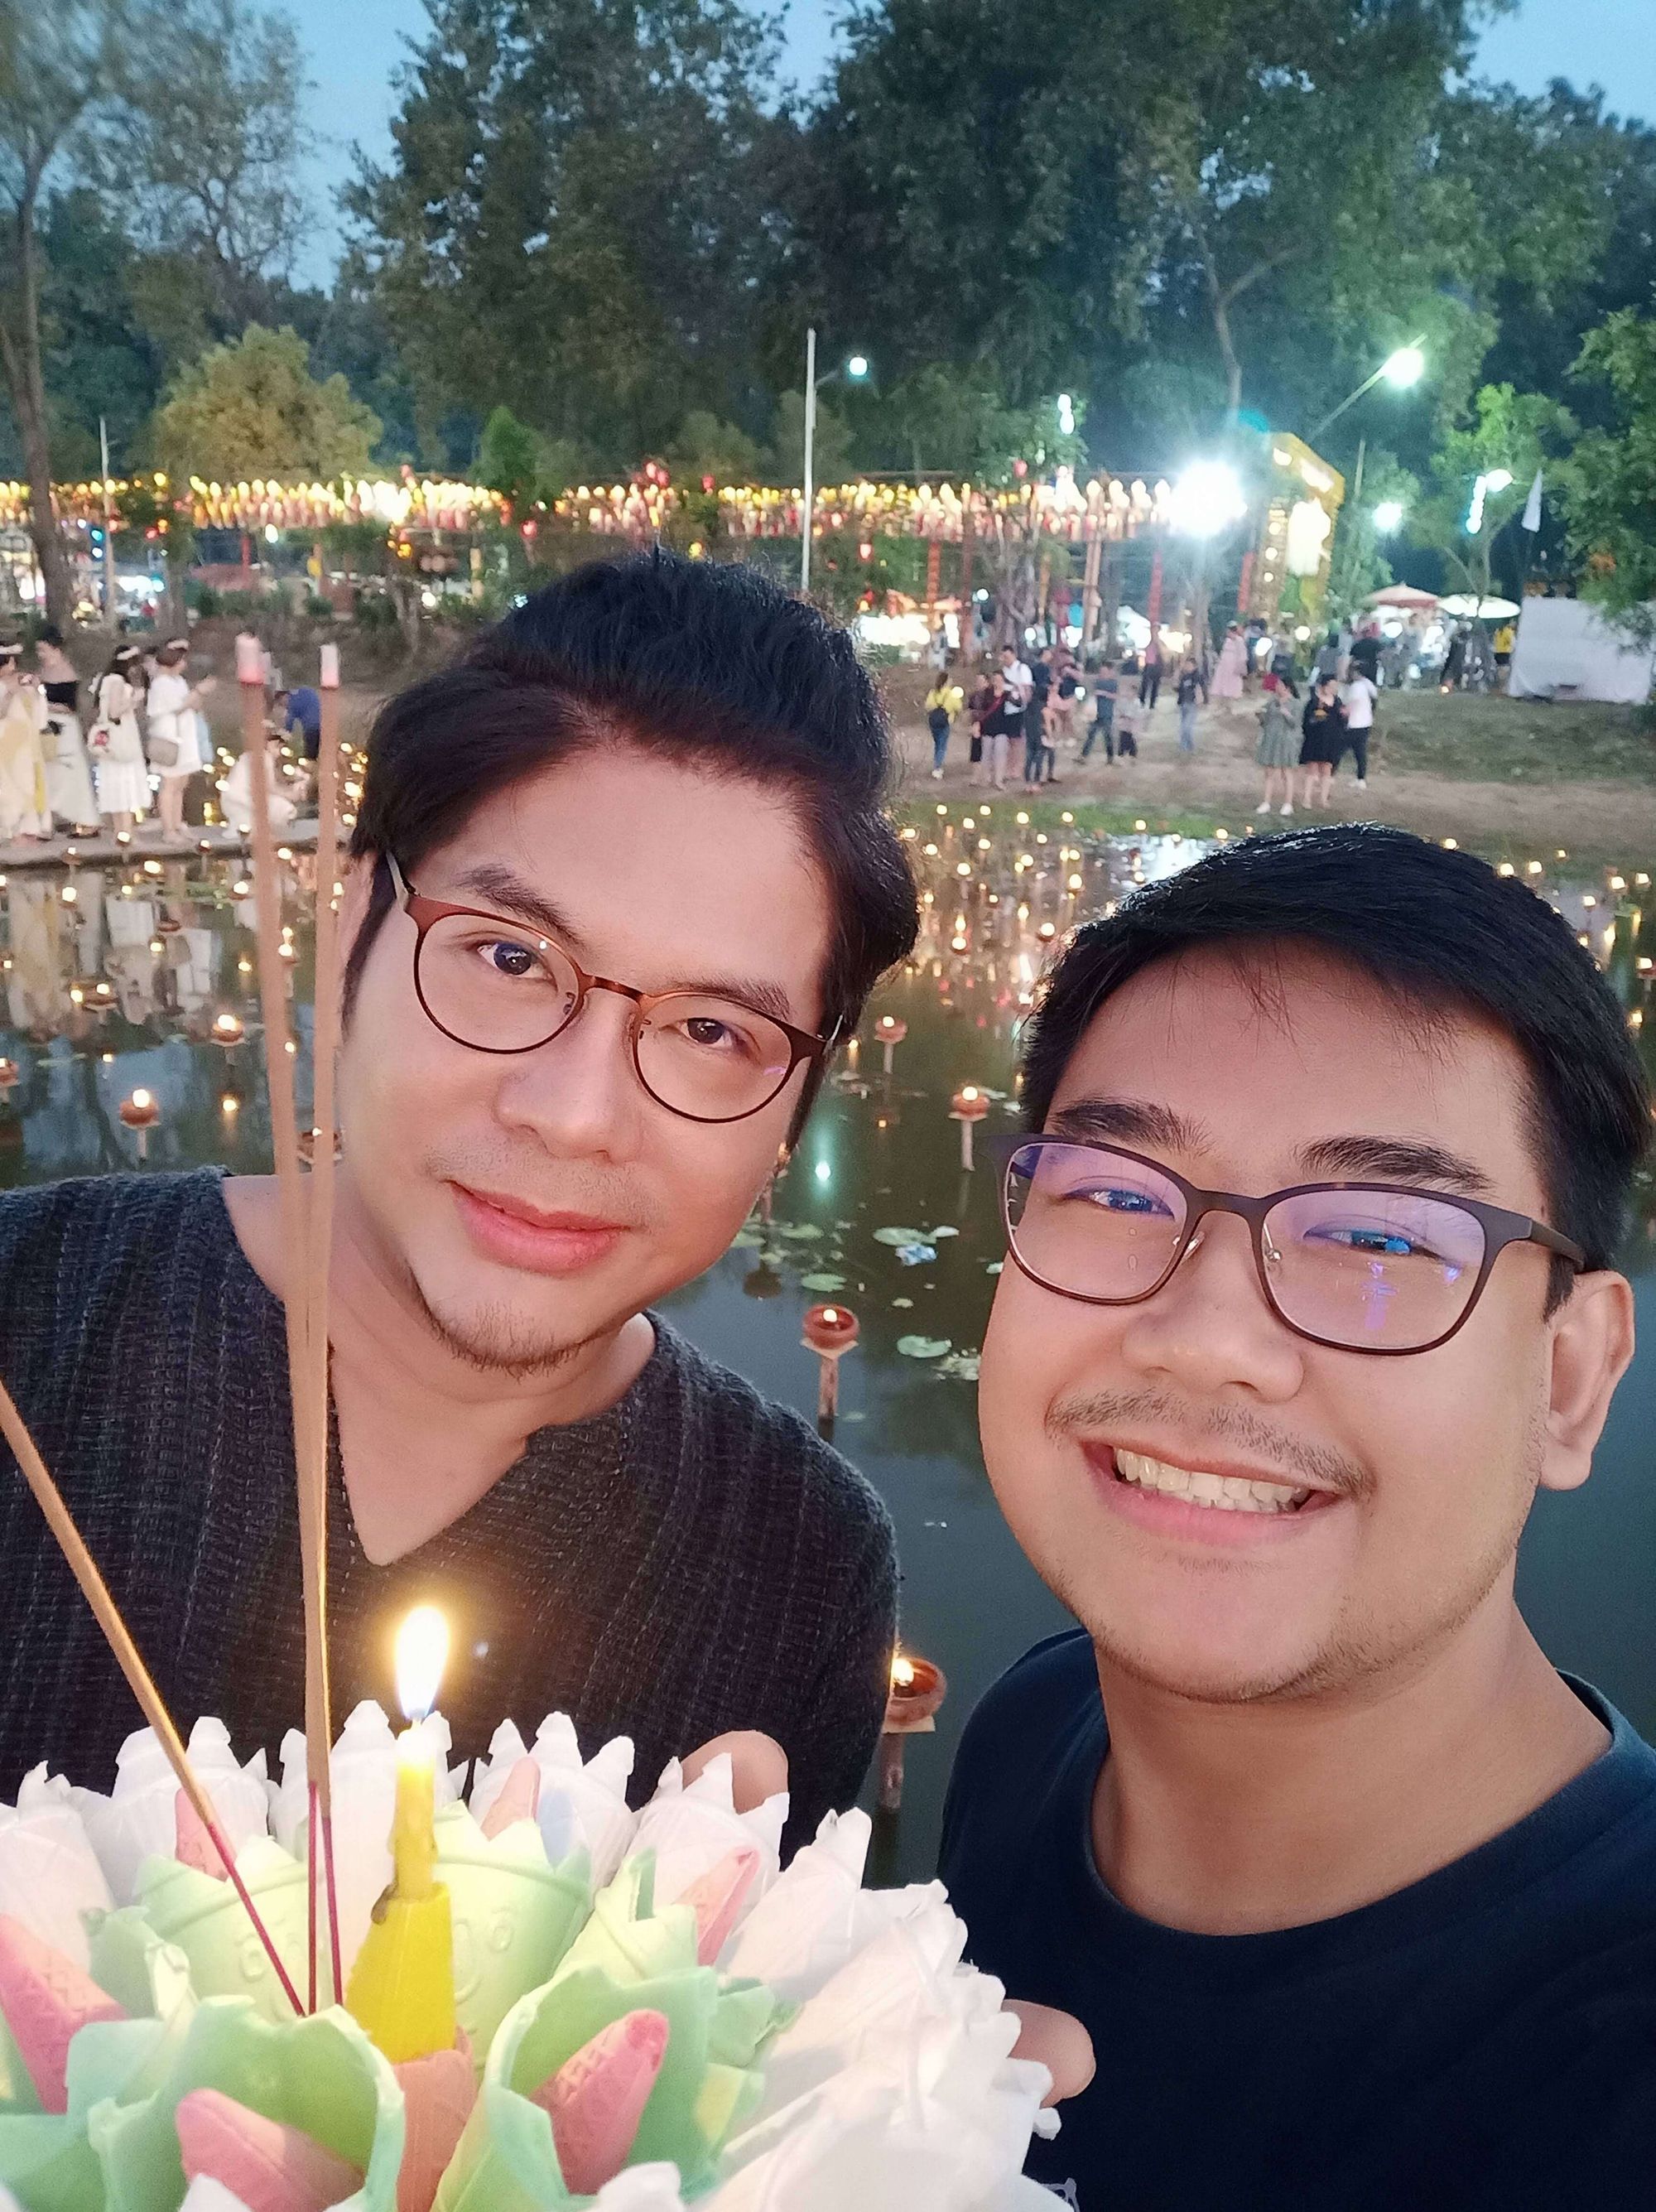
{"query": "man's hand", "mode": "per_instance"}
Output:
(759, 1765)
(1058, 2041)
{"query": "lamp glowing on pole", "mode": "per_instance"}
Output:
(857, 367)
(1388, 516)
(1400, 369)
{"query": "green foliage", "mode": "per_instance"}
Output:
(785, 460)
(1609, 482)
(705, 447)
(647, 128)
(509, 459)
(1515, 431)
(254, 410)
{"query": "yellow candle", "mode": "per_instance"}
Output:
(401, 1990)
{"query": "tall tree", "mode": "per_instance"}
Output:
(1508, 436)
(204, 153)
(253, 408)
(62, 66)
(1609, 482)
(574, 213)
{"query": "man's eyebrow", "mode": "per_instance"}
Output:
(502, 890)
(1130, 1121)
(1395, 1159)
(518, 901)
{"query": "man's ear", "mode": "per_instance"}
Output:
(358, 879)
(1592, 1351)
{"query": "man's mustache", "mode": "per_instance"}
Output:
(1109, 1412)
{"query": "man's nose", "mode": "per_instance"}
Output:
(1210, 1328)
(580, 1092)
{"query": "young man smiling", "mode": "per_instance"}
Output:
(1311, 1287)
(619, 881)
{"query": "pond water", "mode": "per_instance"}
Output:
(112, 981)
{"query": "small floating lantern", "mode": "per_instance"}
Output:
(227, 1029)
(918, 1689)
(140, 1114)
(830, 1331)
(891, 1030)
(968, 1107)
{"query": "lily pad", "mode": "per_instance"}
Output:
(801, 1232)
(959, 1366)
(898, 1236)
(943, 1230)
(924, 1348)
(902, 1302)
(822, 1282)
(747, 1240)
(993, 1267)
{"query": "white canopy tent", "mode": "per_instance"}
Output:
(1566, 650)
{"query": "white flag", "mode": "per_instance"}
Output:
(1533, 505)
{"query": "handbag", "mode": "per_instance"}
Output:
(163, 752)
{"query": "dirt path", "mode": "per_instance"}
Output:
(1595, 817)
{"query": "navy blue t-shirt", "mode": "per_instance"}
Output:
(1485, 2040)
(305, 716)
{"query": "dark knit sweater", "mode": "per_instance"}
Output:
(694, 1560)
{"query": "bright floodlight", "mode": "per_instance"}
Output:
(1206, 498)
(1498, 480)
(1387, 515)
(1406, 366)
(857, 365)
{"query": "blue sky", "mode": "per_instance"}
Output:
(354, 45)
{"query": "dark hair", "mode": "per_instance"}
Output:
(173, 653)
(49, 633)
(705, 662)
(1435, 928)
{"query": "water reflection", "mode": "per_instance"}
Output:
(114, 981)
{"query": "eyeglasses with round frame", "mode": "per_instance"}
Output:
(425, 913)
(1499, 1227)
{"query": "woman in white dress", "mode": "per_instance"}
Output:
(69, 772)
(237, 792)
(175, 724)
(116, 746)
(24, 811)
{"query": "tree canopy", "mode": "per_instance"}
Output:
(253, 408)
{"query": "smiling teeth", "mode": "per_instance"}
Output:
(1231, 1493)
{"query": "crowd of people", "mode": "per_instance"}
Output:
(85, 758)
(1021, 714)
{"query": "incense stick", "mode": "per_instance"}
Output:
(314, 1461)
(295, 1235)
(118, 1637)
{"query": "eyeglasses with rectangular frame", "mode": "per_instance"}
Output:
(1498, 1228)
(428, 914)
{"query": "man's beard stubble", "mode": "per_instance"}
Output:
(1346, 1660)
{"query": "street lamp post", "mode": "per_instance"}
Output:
(1400, 369)
(856, 368)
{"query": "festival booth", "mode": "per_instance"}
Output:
(1567, 650)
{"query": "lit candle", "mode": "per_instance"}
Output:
(969, 1106)
(401, 1990)
(830, 1332)
(918, 1689)
(891, 1030)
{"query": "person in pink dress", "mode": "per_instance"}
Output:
(1232, 665)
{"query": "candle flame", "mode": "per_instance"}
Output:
(903, 1673)
(830, 1314)
(970, 1092)
(421, 1655)
(142, 1100)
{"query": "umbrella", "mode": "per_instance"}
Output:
(1402, 595)
(1465, 608)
